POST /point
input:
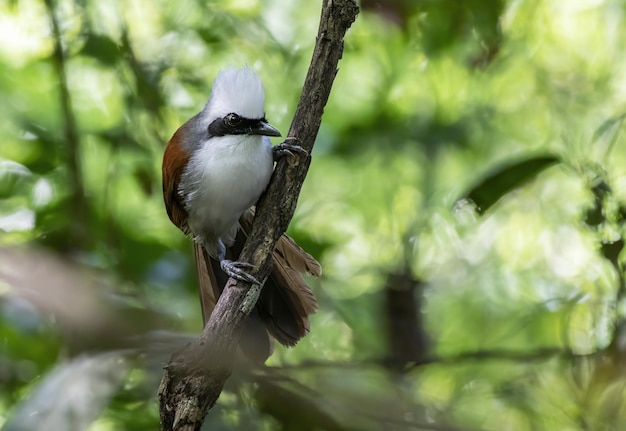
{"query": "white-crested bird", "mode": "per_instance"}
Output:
(215, 167)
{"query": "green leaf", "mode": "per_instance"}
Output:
(608, 125)
(613, 125)
(13, 178)
(611, 251)
(595, 215)
(506, 178)
(102, 48)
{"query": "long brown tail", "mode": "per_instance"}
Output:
(286, 300)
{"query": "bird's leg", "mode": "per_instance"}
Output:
(287, 148)
(238, 270)
(235, 269)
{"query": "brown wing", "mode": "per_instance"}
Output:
(174, 161)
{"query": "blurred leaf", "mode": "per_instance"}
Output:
(398, 11)
(44, 148)
(614, 124)
(143, 176)
(621, 214)
(122, 137)
(13, 178)
(210, 36)
(595, 215)
(102, 48)
(611, 251)
(148, 89)
(447, 23)
(146, 78)
(505, 179)
(71, 396)
(608, 125)
(81, 302)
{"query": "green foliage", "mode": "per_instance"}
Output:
(506, 179)
(516, 105)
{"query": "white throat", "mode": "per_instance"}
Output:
(224, 178)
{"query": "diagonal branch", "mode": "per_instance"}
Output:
(195, 376)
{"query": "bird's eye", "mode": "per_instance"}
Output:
(232, 120)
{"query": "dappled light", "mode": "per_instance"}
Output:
(466, 200)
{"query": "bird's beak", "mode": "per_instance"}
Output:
(265, 128)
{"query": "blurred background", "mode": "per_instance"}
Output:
(466, 199)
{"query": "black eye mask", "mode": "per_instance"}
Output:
(233, 124)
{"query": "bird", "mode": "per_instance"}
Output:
(215, 167)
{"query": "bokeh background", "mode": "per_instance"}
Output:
(466, 199)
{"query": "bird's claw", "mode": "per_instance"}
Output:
(239, 271)
(288, 149)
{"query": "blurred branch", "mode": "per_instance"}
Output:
(146, 85)
(460, 358)
(79, 301)
(194, 378)
(294, 408)
(70, 131)
(297, 406)
(72, 395)
(506, 355)
(406, 335)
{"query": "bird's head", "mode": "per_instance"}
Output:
(237, 105)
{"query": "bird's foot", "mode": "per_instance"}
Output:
(287, 148)
(238, 270)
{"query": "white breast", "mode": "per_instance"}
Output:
(223, 179)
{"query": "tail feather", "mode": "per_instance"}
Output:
(285, 302)
(254, 340)
(292, 256)
(207, 283)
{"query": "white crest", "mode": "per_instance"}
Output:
(236, 90)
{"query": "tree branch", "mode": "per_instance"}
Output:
(195, 376)
(463, 358)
